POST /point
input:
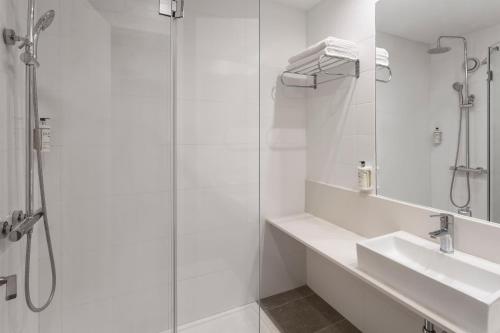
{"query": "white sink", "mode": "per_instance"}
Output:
(463, 289)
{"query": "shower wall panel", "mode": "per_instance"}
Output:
(218, 157)
(105, 84)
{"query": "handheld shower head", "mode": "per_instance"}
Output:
(44, 22)
(458, 86)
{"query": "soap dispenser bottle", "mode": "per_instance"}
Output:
(364, 177)
(437, 136)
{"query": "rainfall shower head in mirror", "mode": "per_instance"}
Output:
(439, 49)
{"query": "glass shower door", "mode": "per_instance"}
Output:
(218, 166)
(105, 83)
(494, 133)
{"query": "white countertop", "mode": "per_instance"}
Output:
(338, 245)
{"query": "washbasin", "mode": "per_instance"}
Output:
(463, 289)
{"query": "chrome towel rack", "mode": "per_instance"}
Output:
(389, 73)
(322, 71)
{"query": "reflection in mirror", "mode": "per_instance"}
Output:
(438, 102)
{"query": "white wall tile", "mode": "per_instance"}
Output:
(218, 158)
(108, 174)
(283, 144)
(341, 115)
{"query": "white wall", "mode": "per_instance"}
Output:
(14, 315)
(218, 157)
(404, 131)
(283, 145)
(340, 114)
(105, 85)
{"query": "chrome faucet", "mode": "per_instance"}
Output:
(446, 233)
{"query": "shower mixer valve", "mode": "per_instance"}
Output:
(18, 224)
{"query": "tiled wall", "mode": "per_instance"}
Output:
(404, 129)
(283, 145)
(340, 133)
(306, 134)
(218, 157)
(104, 81)
(14, 315)
(340, 114)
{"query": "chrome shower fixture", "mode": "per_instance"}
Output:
(29, 56)
(465, 102)
(22, 223)
(43, 23)
(439, 49)
(473, 64)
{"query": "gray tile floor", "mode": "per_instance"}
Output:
(302, 311)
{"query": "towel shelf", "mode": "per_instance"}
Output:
(322, 71)
(389, 73)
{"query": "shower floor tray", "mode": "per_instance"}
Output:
(242, 320)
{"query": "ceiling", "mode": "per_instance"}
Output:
(301, 4)
(425, 20)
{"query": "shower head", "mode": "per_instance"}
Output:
(44, 22)
(458, 86)
(439, 49)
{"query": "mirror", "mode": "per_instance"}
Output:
(438, 104)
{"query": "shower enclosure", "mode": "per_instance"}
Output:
(493, 132)
(152, 179)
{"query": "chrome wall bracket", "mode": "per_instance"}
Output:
(10, 283)
(9, 37)
(172, 8)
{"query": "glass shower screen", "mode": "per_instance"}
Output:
(104, 81)
(218, 166)
(153, 177)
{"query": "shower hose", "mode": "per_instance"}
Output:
(453, 178)
(34, 103)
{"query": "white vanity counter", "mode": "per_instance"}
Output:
(338, 246)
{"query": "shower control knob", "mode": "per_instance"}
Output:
(4, 229)
(17, 216)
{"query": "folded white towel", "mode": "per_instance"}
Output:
(382, 52)
(313, 59)
(383, 62)
(382, 57)
(327, 42)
